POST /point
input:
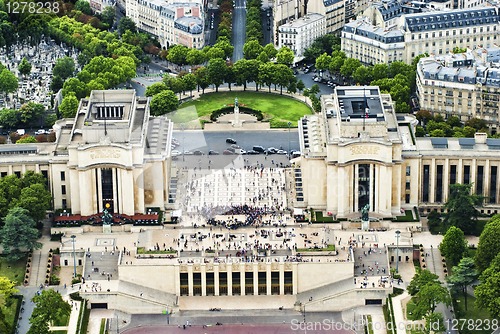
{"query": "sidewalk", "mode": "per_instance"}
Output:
(399, 318)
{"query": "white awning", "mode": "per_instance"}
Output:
(297, 212)
(176, 213)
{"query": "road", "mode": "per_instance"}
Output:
(204, 141)
(211, 34)
(267, 33)
(239, 29)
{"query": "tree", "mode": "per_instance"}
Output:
(7, 287)
(336, 64)
(453, 245)
(225, 45)
(69, 106)
(177, 54)
(488, 246)
(155, 88)
(361, 75)
(36, 199)
(476, 123)
(202, 78)
(83, 6)
(214, 53)
(424, 115)
(31, 112)
(56, 84)
(263, 57)
(27, 140)
(434, 322)
(292, 87)
(350, 65)
(75, 86)
(19, 233)
(323, 62)
(125, 24)
(461, 206)
(314, 89)
(417, 59)
(9, 118)
(437, 133)
(38, 325)
(49, 306)
(312, 53)
(64, 67)
(463, 276)
(429, 296)
(419, 131)
(380, 71)
(285, 56)
(433, 220)
(252, 49)
(8, 82)
(282, 76)
(459, 50)
(164, 102)
(271, 51)
(189, 82)
(25, 67)
(266, 74)
(82, 59)
(195, 57)
(487, 293)
(108, 15)
(216, 72)
(300, 85)
(469, 131)
(421, 278)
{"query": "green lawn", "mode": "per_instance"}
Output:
(369, 325)
(59, 332)
(330, 248)
(278, 109)
(472, 312)
(13, 270)
(410, 307)
(10, 311)
(321, 218)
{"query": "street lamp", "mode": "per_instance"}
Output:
(182, 126)
(289, 123)
(74, 256)
(397, 250)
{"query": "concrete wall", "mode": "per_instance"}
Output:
(352, 298)
(312, 275)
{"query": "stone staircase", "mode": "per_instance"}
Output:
(327, 291)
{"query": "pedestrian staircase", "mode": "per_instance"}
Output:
(326, 291)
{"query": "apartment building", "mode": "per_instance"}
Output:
(300, 34)
(170, 23)
(386, 14)
(334, 12)
(463, 85)
(435, 32)
(98, 6)
(371, 44)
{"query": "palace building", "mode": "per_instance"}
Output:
(112, 154)
(358, 151)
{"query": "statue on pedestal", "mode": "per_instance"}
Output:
(365, 219)
(106, 218)
(236, 122)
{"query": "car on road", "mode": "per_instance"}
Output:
(272, 150)
(231, 149)
(230, 141)
(235, 146)
(240, 151)
(252, 152)
(259, 149)
(198, 152)
(175, 153)
(39, 132)
(268, 27)
(281, 152)
(211, 152)
(226, 152)
(188, 152)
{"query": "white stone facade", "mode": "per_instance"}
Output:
(300, 34)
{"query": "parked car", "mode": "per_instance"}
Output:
(211, 152)
(240, 151)
(252, 152)
(21, 132)
(259, 149)
(235, 146)
(230, 141)
(281, 152)
(231, 149)
(272, 150)
(39, 132)
(226, 152)
(175, 153)
(188, 152)
(198, 152)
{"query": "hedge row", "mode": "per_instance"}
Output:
(228, 110)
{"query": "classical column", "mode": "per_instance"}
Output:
(138, 190)
(177, 275)
(242, 278)
(432, 179)
(216, 279)
(190, 280)
(473, 175)
(396, 191)
(74, 181)
(23, 169)
(37, 168)
(446, 179)
(294, 277)
(127, 193)
(88, 196)
(116, 202)
(460, 171)
(370, 187)
(332, 189)
(229, 270)
(377, 189)
(486, 179)
(356, 187)
(99, 189)
(268, 279)
(343, 191)
(203, 279)
(282, 278)
(10, 170)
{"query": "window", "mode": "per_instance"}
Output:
(4, 174)
(439, 183)
(18, 174)
(425, 189)
(408, 170)
(63, 176)
(453, 174)
(479, 183)
(407, 185)
(493, 185)
(466, 174)
(63, 189)
(64, 205)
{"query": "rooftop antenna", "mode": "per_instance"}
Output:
(105, 128)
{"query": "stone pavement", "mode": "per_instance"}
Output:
(399, 317)
(95, 319)
(102, 262)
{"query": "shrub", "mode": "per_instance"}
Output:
(56, 251)
(26, 281)
(27, 266)
(3, 140)
(75, 296)
(29, 260)
(47, 281)
(48, 265)
(75, 281)
(423, 266)
(49, 261)
(48, 271)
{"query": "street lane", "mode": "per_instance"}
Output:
(239, 34)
